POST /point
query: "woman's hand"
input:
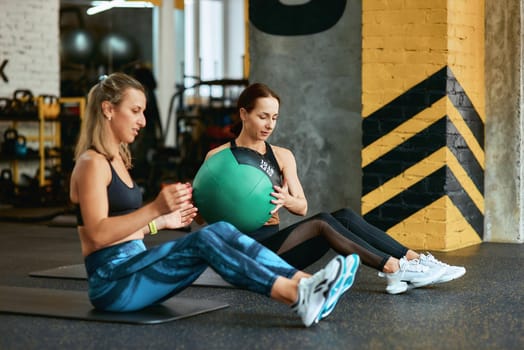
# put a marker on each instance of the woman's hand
(176, 203)
(180, 218)
(282, 196)
(174, 197)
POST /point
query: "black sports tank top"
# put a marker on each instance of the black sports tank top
(122, 198)
(272, 169)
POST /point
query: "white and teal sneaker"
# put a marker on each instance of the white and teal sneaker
(313, 292)
(351, 264)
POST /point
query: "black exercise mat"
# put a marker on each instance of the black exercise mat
(76, 305)
(74, 272)
(208, 279)
(65, 220)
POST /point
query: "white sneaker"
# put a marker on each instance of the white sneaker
(412, 274)
(351, 263)
(451, 273)
(313, 292)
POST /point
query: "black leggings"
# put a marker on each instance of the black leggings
(305, 242)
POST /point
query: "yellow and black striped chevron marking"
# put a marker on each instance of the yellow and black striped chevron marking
(414, 154)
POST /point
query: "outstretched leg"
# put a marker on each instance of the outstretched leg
(127, 277)
(369, 233)
(136, 277)
(304, 242)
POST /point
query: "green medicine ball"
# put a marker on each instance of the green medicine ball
(235, 185)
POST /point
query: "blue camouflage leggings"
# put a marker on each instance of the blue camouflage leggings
(128, 277)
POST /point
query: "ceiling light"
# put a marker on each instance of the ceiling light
(100, 6)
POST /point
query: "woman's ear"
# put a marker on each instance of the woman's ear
(243, 113)
(107, 109)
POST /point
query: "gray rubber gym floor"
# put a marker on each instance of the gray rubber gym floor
(482, 310)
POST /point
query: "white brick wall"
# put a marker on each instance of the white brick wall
(30, 41)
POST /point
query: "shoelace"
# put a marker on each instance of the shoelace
(413, 265)
(429, 257)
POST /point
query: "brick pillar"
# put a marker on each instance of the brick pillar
(30, 47)
(423, 127)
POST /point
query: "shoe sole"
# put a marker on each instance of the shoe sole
(347, 282)
(399, 288)
(438, 281)
(405, 285)
(426, 282)
(410, 286)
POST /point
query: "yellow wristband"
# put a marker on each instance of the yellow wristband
(152, 227)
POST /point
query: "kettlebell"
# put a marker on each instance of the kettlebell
(24, 103)
(21, 146)
(50, 106)
(10, 140)
(7, 186)
(6, 175)
(5, 106)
